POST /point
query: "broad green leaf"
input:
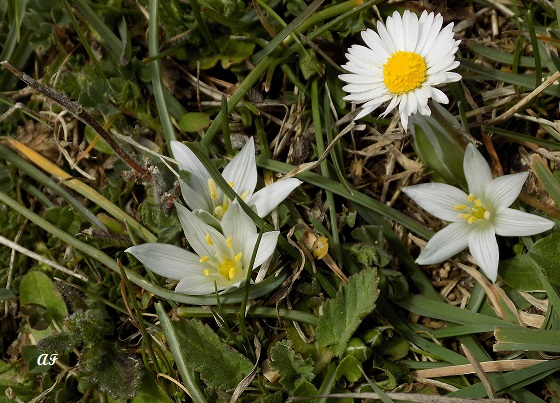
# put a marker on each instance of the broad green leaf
(523, 339)
(349, 369)
(343, 314)
(150, 391)
(194, 121)
(219, 366)
(37, 288)
(293, 368)
(523, 272)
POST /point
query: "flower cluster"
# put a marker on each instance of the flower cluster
(221, 259)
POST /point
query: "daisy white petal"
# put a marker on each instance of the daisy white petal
(401, 64)
(168, 261)
(477, 171)
(438, 199)
(484, 248)
(446, 243)
(512, 222)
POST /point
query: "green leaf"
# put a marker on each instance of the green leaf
(64, 218)
(343, 314)
(37, 288)
(523, 272)
(523, 339)
(349, 368)
(150, 391)
(219, 366)
(194, 121)
(293, 368)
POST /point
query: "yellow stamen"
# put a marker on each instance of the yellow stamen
(404, 72)
(474, 210)
(206, 272)
(204, 259)
(238, 257)
(230, 184)
(244, 195)
(213, 189)
(228, 269)
(229, 242)
(209, 240)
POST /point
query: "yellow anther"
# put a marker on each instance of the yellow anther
(231, 273)
(459, 207)
(229, 242)
(464, 216)
(478, 203)
(204, 259)
(228, 269)
(471, 219)
(244, 195)
(213, 189)
(404, 72)
(206, 272)
(209, 240)
(471, 198)
(238, 257)
(230, 184)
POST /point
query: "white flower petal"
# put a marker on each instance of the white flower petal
(204, 239)
(477, 171)
(267, 246)
(446, 243)
(168, 261)
(189, 162)
(510, 222)
(198, 285)
(266, 199)
(503, 191)
(239, 226)
(194, 199)
(438, 199)
(484, 248)
(242, 170)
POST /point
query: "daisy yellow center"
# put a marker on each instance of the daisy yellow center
(473, 210)
(404, 72)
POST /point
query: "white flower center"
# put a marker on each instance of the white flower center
(473, 210)
(404, 72)
(225, 265)
(221, 206)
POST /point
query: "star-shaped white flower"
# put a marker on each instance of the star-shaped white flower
(202, 193)
(476, 218)
(402, 63)
(219, 261)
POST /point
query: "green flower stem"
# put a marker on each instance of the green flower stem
(355, 196)
(234, 297)
(155, 67)
(316, 115)
(187, 374)
(254, 311)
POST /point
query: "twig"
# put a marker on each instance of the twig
(76, 109)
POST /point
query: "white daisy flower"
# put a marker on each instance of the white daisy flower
(202, 193)
(402, 64)
(476, 218)
(220, 261)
